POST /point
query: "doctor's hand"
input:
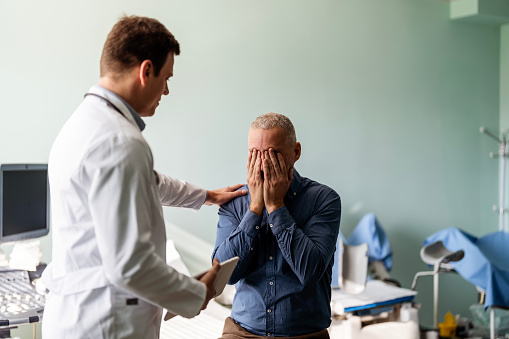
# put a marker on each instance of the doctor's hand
(223, 195)
(208, 279)
(255, 181)
(277, 180)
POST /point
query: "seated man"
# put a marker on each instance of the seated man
(284, 232)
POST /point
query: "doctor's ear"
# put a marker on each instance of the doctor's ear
(145, 69)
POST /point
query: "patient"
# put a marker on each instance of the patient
(284, 232)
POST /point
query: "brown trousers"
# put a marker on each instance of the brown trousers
(232, 330)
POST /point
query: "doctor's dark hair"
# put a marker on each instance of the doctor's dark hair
(134, 39)
(271, 120)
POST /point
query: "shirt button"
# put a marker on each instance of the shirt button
(257, 227)
(269, 310)
(294, 193)
(270, 258)
(251, 248)
(271, 225)
(271, 283)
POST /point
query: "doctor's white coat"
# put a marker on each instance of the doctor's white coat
(108, 277)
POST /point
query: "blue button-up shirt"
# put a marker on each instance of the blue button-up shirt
(283, 276)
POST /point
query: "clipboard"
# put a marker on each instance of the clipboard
(223, 275)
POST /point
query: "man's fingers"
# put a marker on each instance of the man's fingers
(270, 165)
(274, 161)
(258, 165)
(254, 158)
(282, 163)
(251, 159)
(249, 156)
(266, 169)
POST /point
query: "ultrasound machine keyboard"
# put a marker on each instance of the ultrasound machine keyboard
(19, 301)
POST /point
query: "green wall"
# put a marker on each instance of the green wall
(387, 98)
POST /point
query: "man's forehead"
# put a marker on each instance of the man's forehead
(268, 132)
(263, 139)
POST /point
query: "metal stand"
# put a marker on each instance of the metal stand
(436, 271)
(502, 155)
(437, 255)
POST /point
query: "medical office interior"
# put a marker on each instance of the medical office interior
(387, 98)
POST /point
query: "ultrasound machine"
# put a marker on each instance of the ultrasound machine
(24, 215)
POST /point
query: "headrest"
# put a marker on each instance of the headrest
(436, 252)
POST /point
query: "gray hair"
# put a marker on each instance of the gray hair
(272, 120)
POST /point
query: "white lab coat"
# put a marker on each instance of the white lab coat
(108, 277)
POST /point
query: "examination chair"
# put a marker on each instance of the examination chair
(482, 261)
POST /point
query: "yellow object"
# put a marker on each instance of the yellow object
(448, 327)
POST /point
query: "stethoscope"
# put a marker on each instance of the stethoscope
(107, 101)
(119, 111)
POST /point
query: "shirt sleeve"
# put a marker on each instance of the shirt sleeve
(178, 193)
(308, 249)
(123, 201)
(236, 238)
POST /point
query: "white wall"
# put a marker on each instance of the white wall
(386, 96)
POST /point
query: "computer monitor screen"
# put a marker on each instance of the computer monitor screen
(24, 202)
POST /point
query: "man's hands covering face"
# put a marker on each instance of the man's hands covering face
(255, 181)
(277, 180)
(270, 190)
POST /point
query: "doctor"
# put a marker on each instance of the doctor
(108, 277)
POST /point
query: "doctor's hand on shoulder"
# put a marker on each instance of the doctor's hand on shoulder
(223, 195)
(208, 279)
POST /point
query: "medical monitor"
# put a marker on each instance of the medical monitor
(24, 202)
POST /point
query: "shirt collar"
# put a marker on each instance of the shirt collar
(139, 122)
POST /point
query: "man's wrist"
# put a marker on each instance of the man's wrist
(272, 207)
(256, 209)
